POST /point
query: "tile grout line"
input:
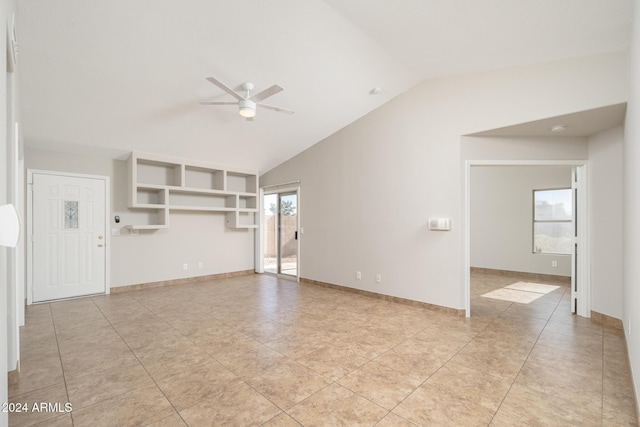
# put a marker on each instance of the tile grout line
(243, 381)
(285, 411)
(602, 382)
(527, 358)
(490, 329)
(434, 372)
(139, 361)
(44, 386)
(335, 382)
(64, 376)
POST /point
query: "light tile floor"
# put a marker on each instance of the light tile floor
(256, 350)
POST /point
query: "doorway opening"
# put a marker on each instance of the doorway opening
(280, 233)
(575, 264)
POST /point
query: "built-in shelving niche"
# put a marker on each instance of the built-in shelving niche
(158, 185)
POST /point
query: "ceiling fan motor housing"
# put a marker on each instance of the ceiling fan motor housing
(247, 108)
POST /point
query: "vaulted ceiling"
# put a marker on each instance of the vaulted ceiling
(114, 76)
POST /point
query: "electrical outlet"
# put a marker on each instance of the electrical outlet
(554, 263)
(358, 275)
(378, 278)
(185, 266)
(200, 264)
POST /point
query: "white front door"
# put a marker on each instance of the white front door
(68, 236)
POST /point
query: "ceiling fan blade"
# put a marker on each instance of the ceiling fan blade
(217, 103)
(274, 108)
(225, 88)
(266, 93)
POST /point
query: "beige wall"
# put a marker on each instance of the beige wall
(192, 237)
(371, 187)
(4, 252)
(10, 315)
(631, 226)
(502, 217)
(606, 217)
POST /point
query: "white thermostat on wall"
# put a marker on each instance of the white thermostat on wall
(439, 224)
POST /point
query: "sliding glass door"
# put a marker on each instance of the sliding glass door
(281, 233)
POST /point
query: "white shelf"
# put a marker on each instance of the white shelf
(151, 187)
(146, 227)
(150, 206)
(200, 208)
(200, 191)
(161, 184)
(243, 220)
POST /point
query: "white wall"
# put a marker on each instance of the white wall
(370, 188)
(4, 252)
(631, 225)
(192, 237)
(9, 316)
(523, 148)
(605, 214)
(604, 152)
(502, 217)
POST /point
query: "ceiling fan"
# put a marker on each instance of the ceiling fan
(248, 102)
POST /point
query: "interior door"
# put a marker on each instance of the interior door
(68, 236)
(574, 252)
(281, 233)
(580, 284)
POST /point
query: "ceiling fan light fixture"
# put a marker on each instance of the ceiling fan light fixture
(247, 108)
(247, 102)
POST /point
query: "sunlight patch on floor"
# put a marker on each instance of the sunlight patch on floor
(521, 292)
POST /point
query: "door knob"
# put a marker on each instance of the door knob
(100, 237)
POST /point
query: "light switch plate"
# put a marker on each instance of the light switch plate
(440, 224)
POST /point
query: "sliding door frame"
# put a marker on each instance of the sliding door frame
(259, 252)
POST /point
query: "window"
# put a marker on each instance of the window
(552, 221)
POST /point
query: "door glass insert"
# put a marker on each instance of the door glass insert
(270, 233)
(289, 234)
(70, 215)
(280, 233)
